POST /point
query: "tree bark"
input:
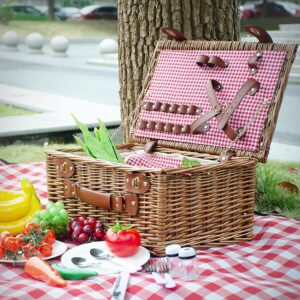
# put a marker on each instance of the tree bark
(140, 22)
(51, 9)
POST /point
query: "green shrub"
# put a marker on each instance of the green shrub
(6, 13)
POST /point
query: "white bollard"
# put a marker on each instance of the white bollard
(108, 46)
(59, 45)
(10, 40)
(35, 42)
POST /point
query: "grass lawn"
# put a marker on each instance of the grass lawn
(70, 29)
(9, 110)
(270, 198)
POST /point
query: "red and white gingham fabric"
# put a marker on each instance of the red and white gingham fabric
(268, 267)
(177, 79)
(153, 161)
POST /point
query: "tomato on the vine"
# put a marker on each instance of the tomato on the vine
(50, 237)
(20, 238)
(31, 228)
(122, 240)
(11, 243)
(3, 236)
(29, 250)
(46, 249)
(2, 252)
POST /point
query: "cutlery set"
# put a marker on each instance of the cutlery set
(158, 267)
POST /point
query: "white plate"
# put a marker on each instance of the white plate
(58, 249)
(117, 264)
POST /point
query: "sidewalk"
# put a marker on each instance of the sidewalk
(55, 112)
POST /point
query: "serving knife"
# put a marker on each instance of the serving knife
(120, 286)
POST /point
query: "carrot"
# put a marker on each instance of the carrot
(41, 270)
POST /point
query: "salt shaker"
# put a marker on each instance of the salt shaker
(188, 269)
(172, 252)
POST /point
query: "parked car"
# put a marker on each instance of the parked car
(60, 12)
(297, 13)
(27, 12)
(289, 6)
(273, 9)
(249, 11)
(94, 12)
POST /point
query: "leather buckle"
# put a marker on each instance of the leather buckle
(119, 202)
(217, 108)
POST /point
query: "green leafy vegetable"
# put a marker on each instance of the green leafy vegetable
(99, 145)
(186, 162)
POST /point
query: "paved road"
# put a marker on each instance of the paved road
(72, 77)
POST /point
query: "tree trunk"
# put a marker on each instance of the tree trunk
(140, 22)
(51, 9)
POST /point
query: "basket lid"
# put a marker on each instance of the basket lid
(214, 97)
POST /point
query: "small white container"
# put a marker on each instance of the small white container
(172, 252)
(188, 268)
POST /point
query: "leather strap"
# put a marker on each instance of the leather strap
(151, 145)
(217, 61)
(173, 33)
(259, 33)
(200, 125)
(252, 62)
(250, 87)
(127, 202)
(202, 60)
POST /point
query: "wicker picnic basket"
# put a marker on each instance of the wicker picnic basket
(205, 205)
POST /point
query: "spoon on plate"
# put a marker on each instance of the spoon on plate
(83, 263)
(100, 254)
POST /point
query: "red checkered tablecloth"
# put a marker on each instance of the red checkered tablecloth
(266, 268)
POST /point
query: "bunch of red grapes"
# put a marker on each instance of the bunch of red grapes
(83, 230)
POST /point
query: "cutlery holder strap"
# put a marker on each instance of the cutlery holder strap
(250, 87)
(119, 202)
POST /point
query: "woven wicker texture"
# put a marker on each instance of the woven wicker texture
(202, 206)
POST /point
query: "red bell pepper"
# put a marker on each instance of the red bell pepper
(41, 270)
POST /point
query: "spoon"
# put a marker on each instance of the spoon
(82, 262)
(99, 254)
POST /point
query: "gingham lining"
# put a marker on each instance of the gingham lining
(153, 161)
(177, 79)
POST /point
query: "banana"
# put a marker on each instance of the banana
(14, 208)
(8, 195)
(17, 226)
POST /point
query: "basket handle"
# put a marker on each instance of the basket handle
(259, 33)
(118, 202)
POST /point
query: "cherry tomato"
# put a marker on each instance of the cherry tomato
(31, 228)
(46, 249)
(50, 237)
(3, 236)
(122, 240)
(11, 243)
(20, 238)
(2, 252)
(29, 250)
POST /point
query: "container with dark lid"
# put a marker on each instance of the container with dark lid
(188, 269)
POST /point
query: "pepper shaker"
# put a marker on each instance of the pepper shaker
(188, 269)
(172, 252)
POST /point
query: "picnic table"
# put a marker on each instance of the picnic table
(268, 267)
